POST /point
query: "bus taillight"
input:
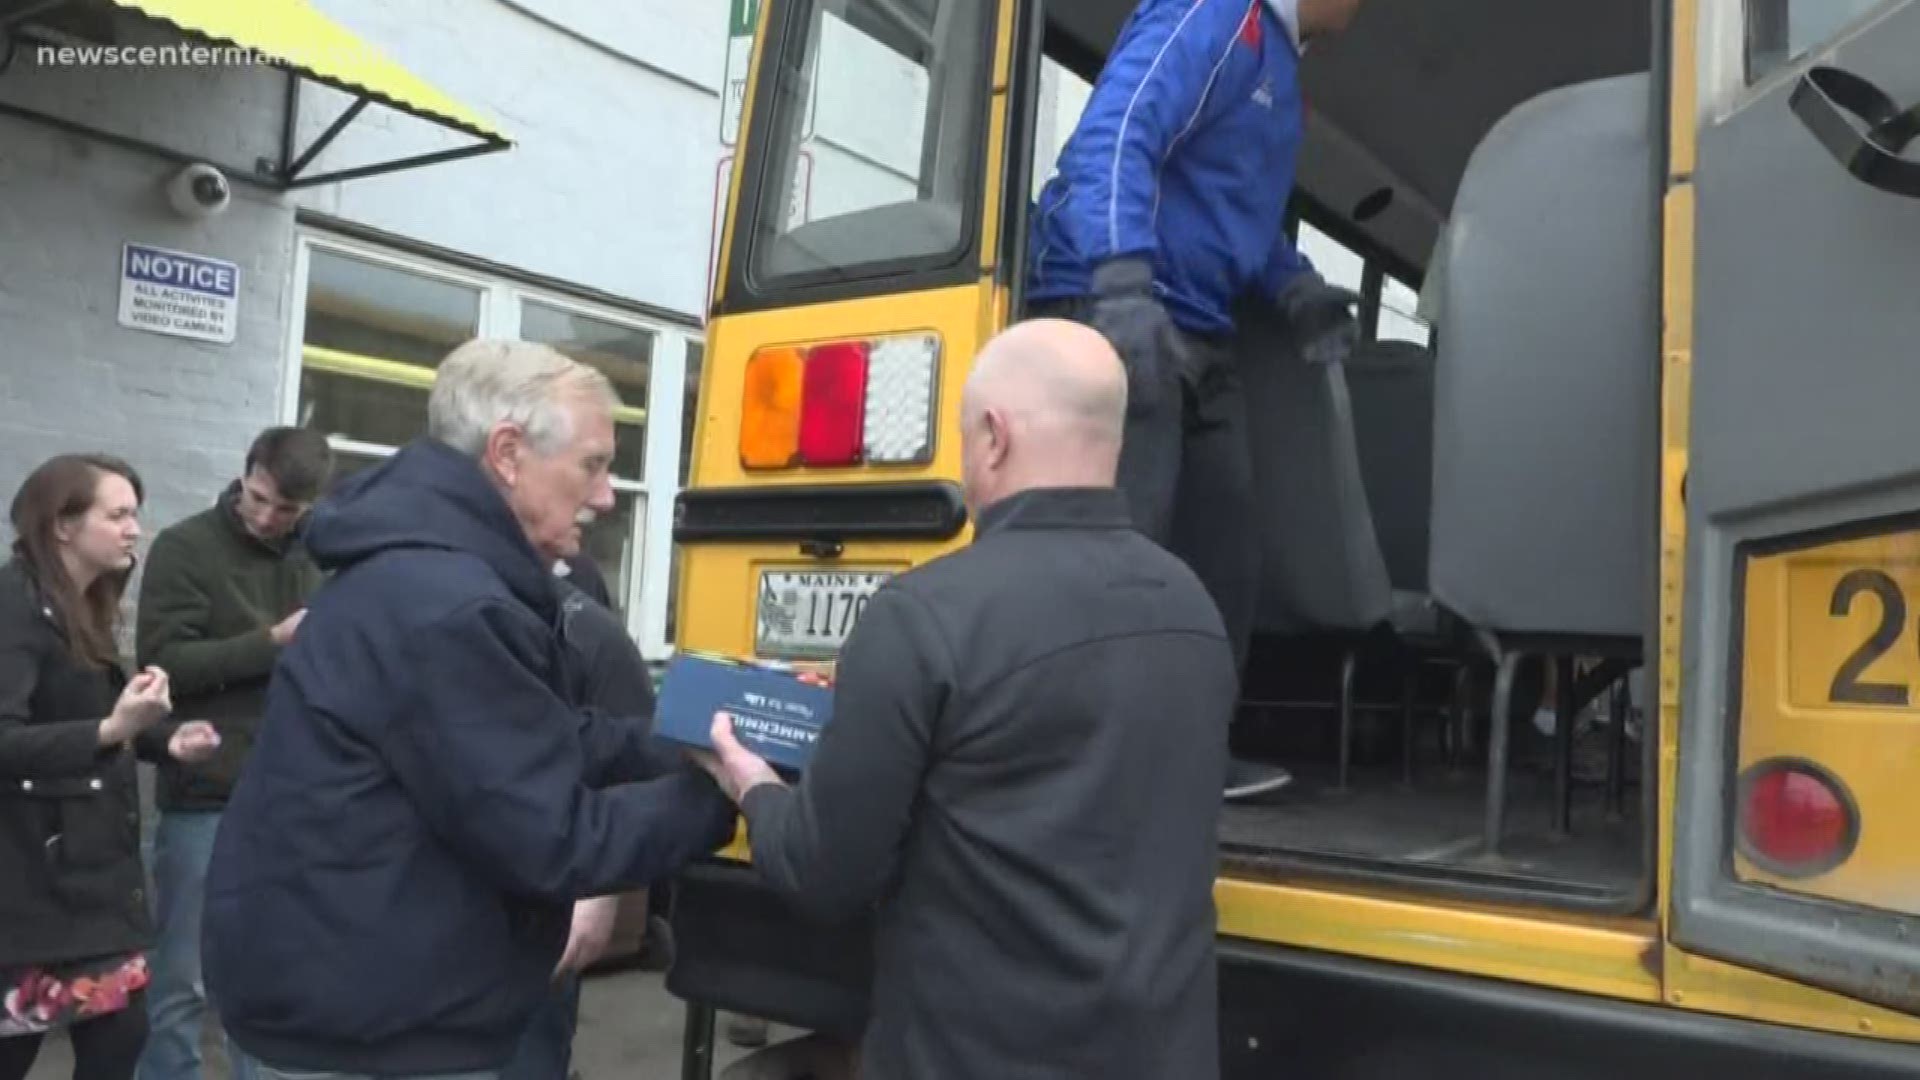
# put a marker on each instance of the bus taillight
(770, 409)
(833, 402)
(1796, 819)
(840, 404)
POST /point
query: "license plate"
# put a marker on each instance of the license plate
(807, 614)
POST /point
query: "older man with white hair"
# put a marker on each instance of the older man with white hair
(391, 887)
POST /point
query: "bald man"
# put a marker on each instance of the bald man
(1022, 776)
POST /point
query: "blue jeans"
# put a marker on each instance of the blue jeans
(546, 1048)
(176, 996)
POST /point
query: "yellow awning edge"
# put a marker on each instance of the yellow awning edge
(294, 34)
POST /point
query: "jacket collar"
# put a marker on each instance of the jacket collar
(1288, 12)
(1057, 508)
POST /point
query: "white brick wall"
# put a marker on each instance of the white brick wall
(610, 187)
(70, 377)
(611, 184)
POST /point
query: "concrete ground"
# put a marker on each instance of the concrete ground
(630, 1029)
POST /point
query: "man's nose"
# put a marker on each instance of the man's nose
(602, 500)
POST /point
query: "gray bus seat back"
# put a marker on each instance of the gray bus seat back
(1546, 392)
(1391, 387)
(1321, 568)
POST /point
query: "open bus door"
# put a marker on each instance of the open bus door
(1799, 758)
(1398, 954)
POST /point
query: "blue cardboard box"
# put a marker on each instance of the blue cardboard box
(775, 714)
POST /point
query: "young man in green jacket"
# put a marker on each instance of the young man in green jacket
(223, 592)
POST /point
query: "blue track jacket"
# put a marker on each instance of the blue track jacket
(1185, 155)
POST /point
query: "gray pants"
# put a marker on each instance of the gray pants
(1186, 466)
(268, 1072)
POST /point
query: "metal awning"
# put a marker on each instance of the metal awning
(294, 37)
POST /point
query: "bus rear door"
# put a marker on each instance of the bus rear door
(1796, 880)
(864, 260)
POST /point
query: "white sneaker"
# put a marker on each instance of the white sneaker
(1246, 779)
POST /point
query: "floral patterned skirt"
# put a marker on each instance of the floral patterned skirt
(48, 996)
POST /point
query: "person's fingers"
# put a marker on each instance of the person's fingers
(725, 741)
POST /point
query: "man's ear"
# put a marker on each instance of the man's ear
(999, 437)
(503, 453)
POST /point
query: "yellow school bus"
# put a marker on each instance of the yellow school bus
(1587, 614)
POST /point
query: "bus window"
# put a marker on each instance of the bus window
(1063, 97)
(1339, 264)
(873, 127)
(1780, 32)
(1399, 314)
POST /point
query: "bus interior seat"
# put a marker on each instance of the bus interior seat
(1546, 395)
(1322, 568)
(1390, 384)
(1323, 490)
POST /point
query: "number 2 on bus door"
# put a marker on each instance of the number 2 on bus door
(1847, 685)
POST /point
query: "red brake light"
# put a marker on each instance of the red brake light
(1796, 819)
(834, 401)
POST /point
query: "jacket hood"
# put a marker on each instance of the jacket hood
(430, 496)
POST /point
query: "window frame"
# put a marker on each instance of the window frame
(650, 545)
(743, 292)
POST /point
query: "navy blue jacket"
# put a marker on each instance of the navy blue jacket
(1184, 156)
(391, 886)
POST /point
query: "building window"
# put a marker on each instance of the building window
(376, 323)
(373, 334)
(624, 354)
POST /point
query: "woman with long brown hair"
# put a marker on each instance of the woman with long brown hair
(73, 909)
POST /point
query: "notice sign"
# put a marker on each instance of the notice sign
(171, 292)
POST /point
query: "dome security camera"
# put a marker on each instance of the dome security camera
(199, 191)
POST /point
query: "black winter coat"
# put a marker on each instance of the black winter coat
(71, 882)
(1023, 775)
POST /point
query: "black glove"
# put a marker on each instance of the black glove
(1123, 292)
(1125, 311)
(1321, 318)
